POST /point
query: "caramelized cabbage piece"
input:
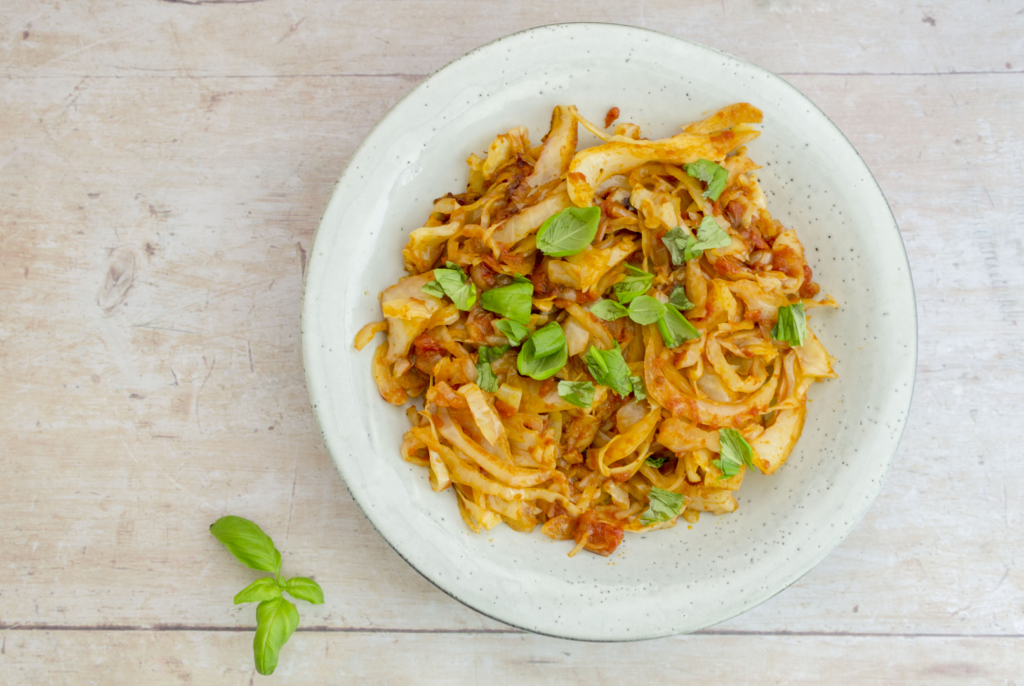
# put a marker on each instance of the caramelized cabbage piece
(525, 456)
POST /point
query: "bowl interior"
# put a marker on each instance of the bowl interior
(669, 581)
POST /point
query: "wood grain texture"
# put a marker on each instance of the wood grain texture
(162, 168)
(377, 37)
(131, 658)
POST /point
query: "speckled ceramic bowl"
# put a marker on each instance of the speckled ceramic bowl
(666, 582)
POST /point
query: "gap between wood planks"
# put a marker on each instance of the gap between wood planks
(468, 632)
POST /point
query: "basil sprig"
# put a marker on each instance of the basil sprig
(675, 329)
(513, 301)
(735, 452)
(543, 353)
(514, 331)
(635, 284)
(276, 618)
(714, 175)
(609, 369)
(578, 393)
(485, 377)
(663, 506)
(454, 283)
(791, 326)
(569, 231)
(682, 246)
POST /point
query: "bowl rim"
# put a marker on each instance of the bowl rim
(308, 348)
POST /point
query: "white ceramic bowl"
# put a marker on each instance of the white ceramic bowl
(666, 582)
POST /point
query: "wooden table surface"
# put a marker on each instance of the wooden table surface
(163, 165)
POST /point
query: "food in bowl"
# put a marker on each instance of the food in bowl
(605, 339)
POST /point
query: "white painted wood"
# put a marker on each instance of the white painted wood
(201, 38)
(129, 424)
(122, 658)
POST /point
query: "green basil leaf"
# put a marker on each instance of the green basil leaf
(489, 354)
(639, 387)
(513, 301)
(433, 288)
(579, 393)
(792, 324)
(514, 331)
(710, 235)
(675, 240)
(266, 588)
(541, 366)
(663, 506)
(682, 246)
(247, 542)
(569, 231)
(485, 377)
(690, 250)
(304, 588)
(735, 452)
(714, 175)
(646, 310)
(675, 329)
(656, 462)
(276, 621)
(609, 369)
(679, 299)
(547, 339)
(608, 310)
(456, 285)
(635, 284)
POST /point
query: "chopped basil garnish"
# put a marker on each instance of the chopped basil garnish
(578, 393)
(514, 331)
(679, 299)
(675, 329)
(792, 324)
(714, 175)
(513, 301)
(646, 310)
(609, 369)
(543, 353)
(485, 377)
(643, 310)
(636, 284)
(664, 505)
(608, 310)
(547, 340)
(569, 231)
(710, 235)
(639, 387)
(454, 283)
(656, 462)
(675, 240)
(682, 246)
(433, 288)
(735, 452)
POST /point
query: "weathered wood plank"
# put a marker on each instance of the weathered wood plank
(131, 657)
(152, 237)
(197, 38)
